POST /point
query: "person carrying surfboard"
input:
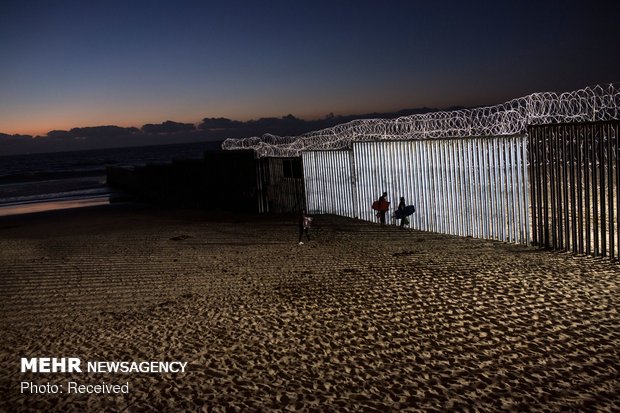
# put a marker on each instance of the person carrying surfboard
(401, 212)
(381, 206)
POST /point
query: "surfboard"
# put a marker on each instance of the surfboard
(381, 205)
(405, 212)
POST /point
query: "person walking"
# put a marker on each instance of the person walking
(384, 205)
(401, 213)
(304, 226)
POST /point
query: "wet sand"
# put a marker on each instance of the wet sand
(361, 318)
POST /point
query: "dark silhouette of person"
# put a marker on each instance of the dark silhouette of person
(304, 225)
(401, 208)
(384, 205)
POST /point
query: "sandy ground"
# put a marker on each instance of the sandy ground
(361, 318)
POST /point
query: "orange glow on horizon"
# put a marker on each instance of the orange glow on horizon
(72, 118)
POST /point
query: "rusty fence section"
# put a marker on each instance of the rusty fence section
(575, 171)
(280, 184)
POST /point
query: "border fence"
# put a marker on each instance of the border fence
(575, 171)
(475, 187)
(543, 169)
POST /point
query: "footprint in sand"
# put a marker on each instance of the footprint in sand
(180, 237)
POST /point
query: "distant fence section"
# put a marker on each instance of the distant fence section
(280, 185)
(224, 180)
(330, 182)
(575, 171)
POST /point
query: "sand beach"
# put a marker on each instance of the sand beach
(361, 318)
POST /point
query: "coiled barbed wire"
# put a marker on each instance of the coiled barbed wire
(595, 103)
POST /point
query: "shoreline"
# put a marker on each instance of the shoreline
(21, 208)
(37, 196)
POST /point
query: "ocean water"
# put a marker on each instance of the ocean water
(40, 182)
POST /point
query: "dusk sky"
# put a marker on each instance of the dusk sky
(68, 64)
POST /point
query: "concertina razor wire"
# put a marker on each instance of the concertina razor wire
(590, 104)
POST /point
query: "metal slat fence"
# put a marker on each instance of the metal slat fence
(479, 186)
(575, 171)
(475, 187)
(330, 185)
(469, 187)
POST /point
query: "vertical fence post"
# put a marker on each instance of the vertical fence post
(545, 177)
(587, 185)
(616, 132)
(573, 154)
(595, 215)
(532, 152)
(515, 190)
(563, 222)
(552, 186)
(525, 181)
(579, 172)
(569, 209)
(610, 190)
(602, 165)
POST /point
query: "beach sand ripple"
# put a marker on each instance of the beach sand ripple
(361, 318)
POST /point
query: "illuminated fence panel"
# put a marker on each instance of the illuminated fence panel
(475, 187)
(329, 182)
(575, 171)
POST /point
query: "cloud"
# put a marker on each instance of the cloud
(93, 137)
(60, 135)
(91, 132)
(214, 124)
(102, 131)
(168, 127)
(168, 132)
(4, 137)
(286, 125)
